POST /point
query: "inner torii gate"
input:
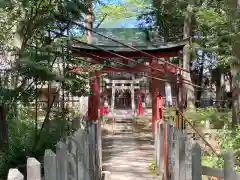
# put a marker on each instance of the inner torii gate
(106, 50)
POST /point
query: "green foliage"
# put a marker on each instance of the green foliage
(216, 117)
(37, 70)
(213, 115)
(120, 11)
(34, 30)
(212, 161)
(74, 82)
(152, 168)
(166, 16)
(227, 140)
(22, 134)
(217, 26)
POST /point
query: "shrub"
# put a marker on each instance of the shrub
(22, 139)
(217, 118)
(227, 140)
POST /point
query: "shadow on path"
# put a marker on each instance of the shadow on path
(127, 156)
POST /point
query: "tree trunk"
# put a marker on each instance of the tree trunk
(235, 71)
(187, 32)
(235, 95)
(89, 21)
(3, 128)
(220, 90)
(200, 81)
(188, 89)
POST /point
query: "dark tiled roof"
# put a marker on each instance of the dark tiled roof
(138, 37)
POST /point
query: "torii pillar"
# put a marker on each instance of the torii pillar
(155, 93)
(94, 99)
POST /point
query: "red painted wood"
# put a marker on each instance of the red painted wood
(94, 100)
(160, 105)
(139, 106)
(155, 107)
(139, 68)
(130, 54)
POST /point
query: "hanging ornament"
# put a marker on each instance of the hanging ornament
(77, 69)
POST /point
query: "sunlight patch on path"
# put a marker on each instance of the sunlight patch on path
(128, 159)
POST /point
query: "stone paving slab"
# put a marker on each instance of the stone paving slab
(128, 157)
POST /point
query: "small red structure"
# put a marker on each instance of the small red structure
(104, 107)
(116, 51)
(139, 106)
(103, 111)
(139, 102)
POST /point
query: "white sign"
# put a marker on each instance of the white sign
(168, 92)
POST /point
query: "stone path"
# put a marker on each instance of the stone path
(127, 156)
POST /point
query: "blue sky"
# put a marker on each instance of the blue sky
(127, 23)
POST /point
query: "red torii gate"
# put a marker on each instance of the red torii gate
(99, 55)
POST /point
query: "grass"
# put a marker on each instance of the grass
(152, 168)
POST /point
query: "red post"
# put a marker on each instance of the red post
(155, 107)
(94, 99)
(160, 105)
(139, 106)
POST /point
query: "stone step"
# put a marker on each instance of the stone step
(121, 123)
(123, 120)
(122, 132)
(123, 129)
(124, 124)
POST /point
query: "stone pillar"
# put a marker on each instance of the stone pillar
(113, 97)
(180, 101)
(94, 99)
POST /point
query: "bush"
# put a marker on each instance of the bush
(227, 140)
(217, 118)
(22, 139)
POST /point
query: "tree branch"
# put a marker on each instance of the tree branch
(101, 21)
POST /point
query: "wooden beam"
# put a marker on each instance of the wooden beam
(124, 67)
(129, 54)
(139, 68)
(123, 87)
(124, 81)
